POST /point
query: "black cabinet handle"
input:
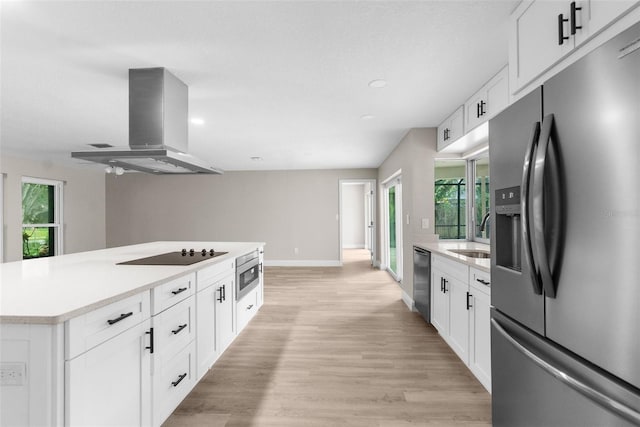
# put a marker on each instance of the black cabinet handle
(442, 284)
(561, 37)
(224, 292)
(150, 333)
(445, 285)
(250, 307)
(180, 378)
(220, 297)
(482, 105)
(121, 317)
(484, 282)
(180, 328)
(468, 304)
(477, 109)
(574, 27)
(178, 291)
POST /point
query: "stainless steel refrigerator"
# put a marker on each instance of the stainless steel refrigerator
(565, 176)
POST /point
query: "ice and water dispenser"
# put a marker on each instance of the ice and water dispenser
(508, 228)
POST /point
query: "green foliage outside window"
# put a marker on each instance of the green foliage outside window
(37, 209)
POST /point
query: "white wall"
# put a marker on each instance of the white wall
(415, 156)
(84, 204)
(285, 209)
(353, 225)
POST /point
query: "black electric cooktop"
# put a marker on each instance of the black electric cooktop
(183, 257)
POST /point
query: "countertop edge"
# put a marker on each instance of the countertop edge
(443, 248)
(63, 317)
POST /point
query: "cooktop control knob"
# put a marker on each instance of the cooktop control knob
(191, 252)
(204, 252)
(184, 252)
(212, 252)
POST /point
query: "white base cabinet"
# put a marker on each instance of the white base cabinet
(460, 313)
(109, 385)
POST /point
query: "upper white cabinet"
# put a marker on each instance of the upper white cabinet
(544, 32)
(492, 98)
(451, 128)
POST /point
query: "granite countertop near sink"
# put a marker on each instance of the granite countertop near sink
(443, 247)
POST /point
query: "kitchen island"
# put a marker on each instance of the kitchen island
(87, 341)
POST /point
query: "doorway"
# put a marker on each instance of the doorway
(392, 210)
(357, 216)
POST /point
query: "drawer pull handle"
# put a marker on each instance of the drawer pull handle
(180, 378)
(150, 333)
(180, 328)
(250, 307)
(484, 282)
(122, 317)
(179, 291)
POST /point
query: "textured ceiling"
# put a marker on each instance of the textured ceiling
(285, 81)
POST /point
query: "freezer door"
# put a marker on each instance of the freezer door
(535, 383)
(510, 136)
(595, 312)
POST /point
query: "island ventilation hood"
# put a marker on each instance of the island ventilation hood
(158, 128)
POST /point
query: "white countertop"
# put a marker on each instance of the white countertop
(443, 247)
(54, 289)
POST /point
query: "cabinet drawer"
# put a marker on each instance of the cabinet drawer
(174, 328)
(88, 330)
(480, 280)
(172, 382)
(450, 267)
(170, 293)
(210, 275)
(246, 308)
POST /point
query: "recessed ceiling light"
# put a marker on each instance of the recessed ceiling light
(378, 83)
(367, 117)
(256, 158)
(197, 121)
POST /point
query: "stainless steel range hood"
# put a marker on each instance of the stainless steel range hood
(158, 128)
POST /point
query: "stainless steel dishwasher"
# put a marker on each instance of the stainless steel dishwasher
(422, 282)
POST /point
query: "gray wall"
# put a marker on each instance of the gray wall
(353, 215)
(84, 204)
(415, 156)
(285, 209)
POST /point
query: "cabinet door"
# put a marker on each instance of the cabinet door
(225, 328)
(595, 15)
(480, 337)
(206, 329)
(472, 109)
(497, 97)
(458, 318)
(439, 304)
(457, 125)
(535, 24)
(111, 384)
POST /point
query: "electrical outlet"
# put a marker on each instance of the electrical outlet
(295, 251)
(12, 373)
(425, 223)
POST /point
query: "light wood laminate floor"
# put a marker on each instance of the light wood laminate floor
(336, 347)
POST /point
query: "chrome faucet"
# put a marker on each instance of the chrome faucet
(485, 218)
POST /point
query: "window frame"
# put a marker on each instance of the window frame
(58, 209)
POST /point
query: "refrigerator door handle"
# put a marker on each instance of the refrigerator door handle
(590, 393)
(539, 225)
(524, 214)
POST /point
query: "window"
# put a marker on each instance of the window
(454, 179)
(482, 223)
(41, 218)
(451, 199)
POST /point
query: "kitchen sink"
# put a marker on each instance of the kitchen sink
(471, 253)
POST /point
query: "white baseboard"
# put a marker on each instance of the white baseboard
(302, 263)
(408, 301)
(353, 246)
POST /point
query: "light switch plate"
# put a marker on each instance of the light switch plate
(425, 223)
